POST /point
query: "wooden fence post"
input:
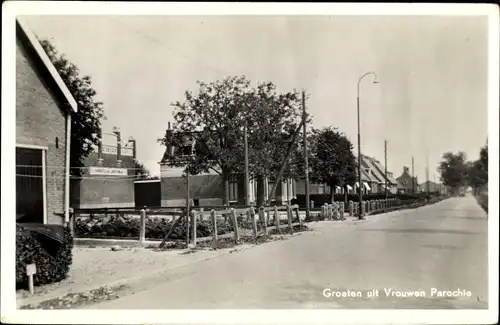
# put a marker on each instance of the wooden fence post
(72, 221)
(202, 218)
(330, 211)
(251, 211)
(215, 236)
(277, 219)
(351, 208)
(311, 205)
(342, 207)
(263, 219)
(289, 215)
(298, 215)
(142, 227)
(235, 225)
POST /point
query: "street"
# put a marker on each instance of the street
(442, 247)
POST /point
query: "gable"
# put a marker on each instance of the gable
(37, 56)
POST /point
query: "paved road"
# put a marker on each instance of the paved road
(443, 246)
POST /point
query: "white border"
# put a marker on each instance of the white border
(8, 305)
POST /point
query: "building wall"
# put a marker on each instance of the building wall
(206, 189)
(41, 122)
(100, 191)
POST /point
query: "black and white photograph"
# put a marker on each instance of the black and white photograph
(245, 163)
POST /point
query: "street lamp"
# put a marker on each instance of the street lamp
(360, 216)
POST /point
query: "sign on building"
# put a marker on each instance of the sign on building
(108, 171)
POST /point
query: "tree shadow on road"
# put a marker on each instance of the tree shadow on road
(464, 218)
(426, 231)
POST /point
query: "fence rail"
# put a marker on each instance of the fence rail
(240, 220)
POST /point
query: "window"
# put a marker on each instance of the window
(233, 189)
(185, 150)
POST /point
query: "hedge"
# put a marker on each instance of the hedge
(482, 199)
(156, 228)
(52, 259)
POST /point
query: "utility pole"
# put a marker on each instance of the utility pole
(427, 177)
(413, 175)
(306, 161)
(188, 215)
(247, 183)
(385, 158)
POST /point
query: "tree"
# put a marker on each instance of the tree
(332, 160)
(142, 173)
(215, 118)
(86, 123)
(273, 119)
(454, 170)
(478, 170)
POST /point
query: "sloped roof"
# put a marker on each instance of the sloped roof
(375, 174)
(25, 33)
(379, 170)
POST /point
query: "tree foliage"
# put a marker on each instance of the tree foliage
(332, 160)
(215, 118)
(273, 119)
(454, 170)
(85, 123)
(142, 173)
(478, 170)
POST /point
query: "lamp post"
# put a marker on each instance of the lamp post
(360, 216)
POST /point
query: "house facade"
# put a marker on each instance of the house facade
(406, 183)
(432, 187)
(207, 189)
(44, 107)
(372, 178)
(107, 179)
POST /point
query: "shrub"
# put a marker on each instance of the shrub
(156, 228)
(52, 258)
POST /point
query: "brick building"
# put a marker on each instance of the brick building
(208, 189)
(107, 181)
(44, 107)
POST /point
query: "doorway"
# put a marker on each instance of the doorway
(30, 183)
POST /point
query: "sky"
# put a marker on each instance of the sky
(432, 72)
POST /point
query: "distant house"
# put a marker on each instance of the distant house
(375, 171)
(372, 177)
(107, 179)
(432, 187)
(406, 183)
(207, 189)
(44, 107)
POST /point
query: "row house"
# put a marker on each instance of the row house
(372, 179)
(375, 175)
(207, 189)
(107, 179)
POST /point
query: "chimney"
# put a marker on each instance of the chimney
(118, 146)
(406, 170)
(99, 149)
(134, 149)
(169, 137)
